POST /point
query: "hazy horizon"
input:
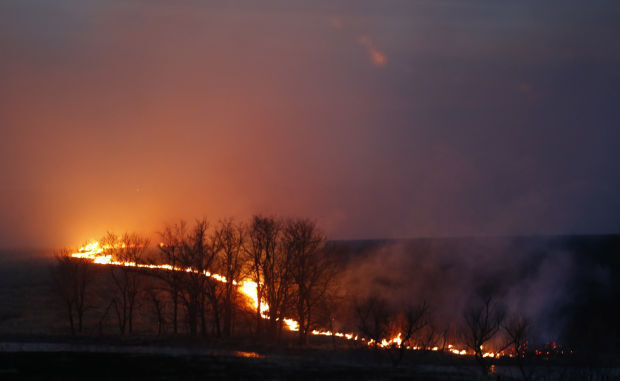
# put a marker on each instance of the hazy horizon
(377, 241)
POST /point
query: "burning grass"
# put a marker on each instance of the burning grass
(99, 254)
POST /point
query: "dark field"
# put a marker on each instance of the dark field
(80, 366)
(105, 363)
(35, 341)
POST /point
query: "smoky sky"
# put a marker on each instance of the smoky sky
(375, 118)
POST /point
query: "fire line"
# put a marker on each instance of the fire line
(96, 253)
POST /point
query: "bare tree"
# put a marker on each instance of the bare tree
(270, 268)
(482, 321)
(228, 241)
(158, 305)
(197, 257)
(327, 310)
(214, 292)
(408, 324)
(71, 281)
(429, 337)
(517, 330)
(278, 282)
(129, 250)
(171, 246)
(373, 315)
(312, 270)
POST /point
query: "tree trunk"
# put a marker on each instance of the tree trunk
(216, 322)
(130, 317)
(70, 314)
(175, 304)
(203, 317)
(80, 313)
(302, 324)
(259, 296)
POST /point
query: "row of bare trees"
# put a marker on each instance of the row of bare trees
(71, 281)
(74, 281)
(483, 322)
(288, 260)
(294, 271)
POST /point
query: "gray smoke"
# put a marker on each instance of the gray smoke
(528, 277)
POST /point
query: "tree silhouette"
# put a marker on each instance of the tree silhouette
(269, 267)
(127, 280)
(71, 282)
(408, 323)
(482, 321)
(373, 313)
(311, 267)
(171, 246)
(196, 256)
(228, 241)
(517, 330)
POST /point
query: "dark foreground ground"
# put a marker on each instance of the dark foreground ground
(106, 366)
(86, 359)
(99, 360)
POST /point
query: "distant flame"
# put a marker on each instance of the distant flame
(97, 253)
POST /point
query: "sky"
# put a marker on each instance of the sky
(377, 119)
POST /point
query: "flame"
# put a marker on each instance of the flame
(97, 253)
(249, 288)
(291, 324)
(397, 340)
